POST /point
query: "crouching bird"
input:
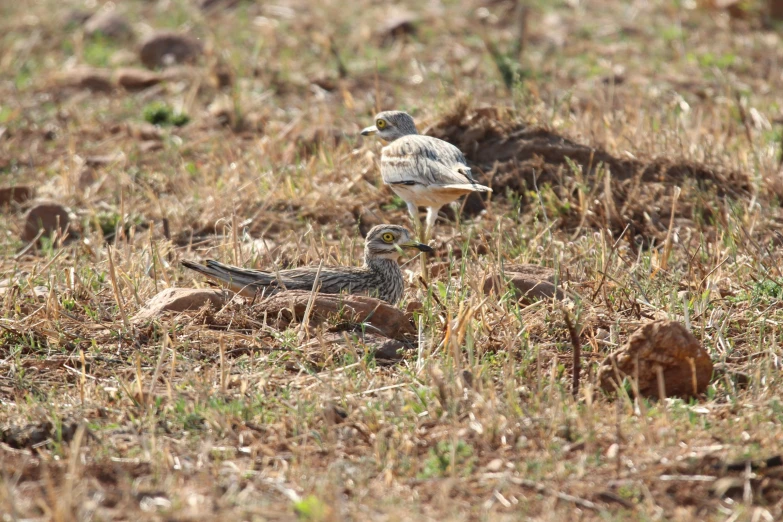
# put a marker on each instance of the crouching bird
(380, 276)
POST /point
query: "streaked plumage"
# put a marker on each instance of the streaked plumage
(422, 170)
(380, 276)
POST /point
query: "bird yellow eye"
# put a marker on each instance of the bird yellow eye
(388, 237)
(381, 124)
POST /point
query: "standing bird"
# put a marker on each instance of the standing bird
(380, 276)
(422, 170)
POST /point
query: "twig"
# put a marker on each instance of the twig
(313, 292)
(222, 364)
(540, 488)
(342, 70)
(157, 366)
(29, 245)
(577, 364)
(427, 287)
(667, 244)
(611, 253)
(116, 288)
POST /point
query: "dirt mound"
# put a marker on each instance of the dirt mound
(513, 157)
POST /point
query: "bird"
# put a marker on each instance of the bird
(380, 276)
(422, 170)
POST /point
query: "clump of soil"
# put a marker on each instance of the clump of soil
(514, 158)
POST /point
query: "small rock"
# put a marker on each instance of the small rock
(531, 281)
(313, 139)
(41, 292)
(495, 465)
(222, 76)
(96, 80)
(32, 435)
(18, 194)
(333, 414)
(104, 160)
(150, 146)
(390, 351)
(87, 176)
(214, 5)
(50, 217)
(145, 131)
(168, 48)
(222, 109)
(413, 307)
(397, 27)
(108, 23)
(728, 486)
(378, 317)
(135, 79)
(76, 17)
(180, 300)
(660, 346)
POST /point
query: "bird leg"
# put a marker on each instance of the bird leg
(420, 234)
(414, 212)
(432, 217)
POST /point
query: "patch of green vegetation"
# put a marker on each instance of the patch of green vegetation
(760, 291)
(709, 60)
(109, 221)
(396, 203)
(444, 459)
(159, 113)
(312, 508)
(98, 51)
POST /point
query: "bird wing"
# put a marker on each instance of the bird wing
(240, 280)
(425, 160)
(331, 280)
(247, 281)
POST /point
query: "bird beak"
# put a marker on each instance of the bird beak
(419, 246)
(369, 131)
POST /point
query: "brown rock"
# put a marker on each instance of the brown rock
(531, 281)
(390, 351)
(214, 5)
(96, 80)
(50, 217)
(168, 48)
(664, 347)
(150, 146)
(180, 300)
(135, 79)
(313, 139)
(103, 160)
(775, 9)
(87, 176)
(76, 17)
(378, 316)
(145, 131)
(18, 194)
(398, 26)
(33, 435)
(108, 23)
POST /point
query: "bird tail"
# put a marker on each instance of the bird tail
(471, 187)
(239, 280)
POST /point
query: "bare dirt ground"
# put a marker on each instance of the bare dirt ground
(633, 148)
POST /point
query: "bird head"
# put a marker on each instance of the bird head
(390, 125)
(387, 242)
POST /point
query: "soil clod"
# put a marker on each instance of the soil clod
(51, 217)
(169, 48)
(663, 357)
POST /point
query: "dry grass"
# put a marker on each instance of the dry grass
(611, 108)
